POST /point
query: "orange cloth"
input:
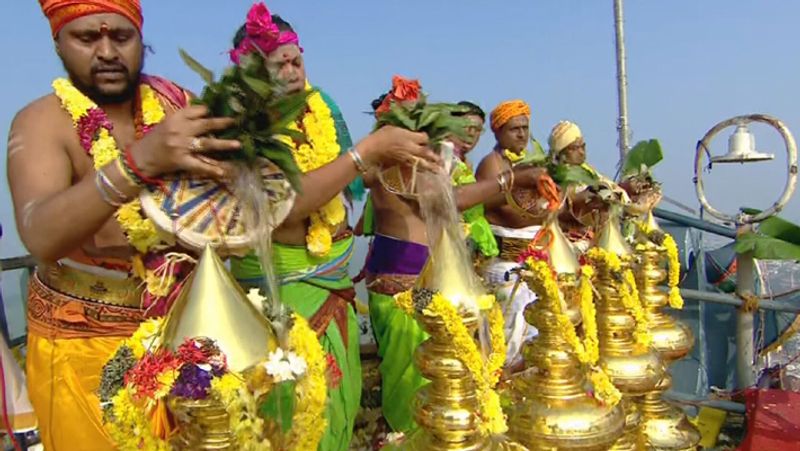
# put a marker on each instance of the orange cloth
(61, 12)
(508, 110)
(69, 341)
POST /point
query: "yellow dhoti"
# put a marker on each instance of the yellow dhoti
(69, 340)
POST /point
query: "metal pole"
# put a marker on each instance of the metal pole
(745, 285)
(622, 83)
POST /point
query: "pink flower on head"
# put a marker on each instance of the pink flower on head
(262, 34)
(259, 23)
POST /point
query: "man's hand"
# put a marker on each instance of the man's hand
(178, 144)
(394, 145)
(528, 176)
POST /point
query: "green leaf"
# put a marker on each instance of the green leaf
(287, 110)
(259, 86)
(402, 118)
(198, 68)
(536, 155)
(644, 153)
(777, 227)
(279, 405)
(766, 247)
(567, 174)
(248, 147)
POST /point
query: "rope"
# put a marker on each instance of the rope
(750, 302)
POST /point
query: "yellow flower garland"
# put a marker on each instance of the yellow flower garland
(321, 148)
(673, 264)
(247, 426)
(589, 314)
(515, 157)
(140, 231)
(308, 422)
(131, 430)
(629, 294)
(588, 351)
(485, 374)
(675, 298)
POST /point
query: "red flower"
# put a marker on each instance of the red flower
(334, 372)
(405, 90)
(536, 254)
(144, 376)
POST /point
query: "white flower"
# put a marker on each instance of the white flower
(255, 298)
(278, 367)
(297, 364)
(395, 437)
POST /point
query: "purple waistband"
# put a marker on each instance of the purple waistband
(393, 256)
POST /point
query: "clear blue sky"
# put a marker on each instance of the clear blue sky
(691, 64)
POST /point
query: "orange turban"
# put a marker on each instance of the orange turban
(508, 110)
(61, 12)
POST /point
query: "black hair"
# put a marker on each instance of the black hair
(241, 33)
(377, 102)
(473, 109)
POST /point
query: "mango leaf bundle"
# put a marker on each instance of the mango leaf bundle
(247, 93)
(437, 120)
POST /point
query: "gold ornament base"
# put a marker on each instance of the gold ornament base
(203, 425)
(447, 409)
(632, 438)
(552, 409)
(665, 426)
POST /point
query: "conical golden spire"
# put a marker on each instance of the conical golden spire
(652, 224)
(212, 305)
(562, 254)
(610, 238)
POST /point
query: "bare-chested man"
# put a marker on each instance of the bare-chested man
(77, 160)
(397, 254)
(74, 157)
(510, 122)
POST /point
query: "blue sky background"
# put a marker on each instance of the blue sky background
(691, 64)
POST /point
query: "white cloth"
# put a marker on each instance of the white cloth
(18, 406)
(517, 330)
(523, 233)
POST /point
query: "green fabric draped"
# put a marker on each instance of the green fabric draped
(398, 336)
(480, 232)
(306, 297)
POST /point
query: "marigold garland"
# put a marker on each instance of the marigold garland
(628, 292)
(675, 298)
(132, 418)
(485, 372)
(544, 283)
(246, 425)
(321, 148)
(308, 422)
(515, 157)
(673, 264)
(140, 231)
(591, 342)
(131, 430)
